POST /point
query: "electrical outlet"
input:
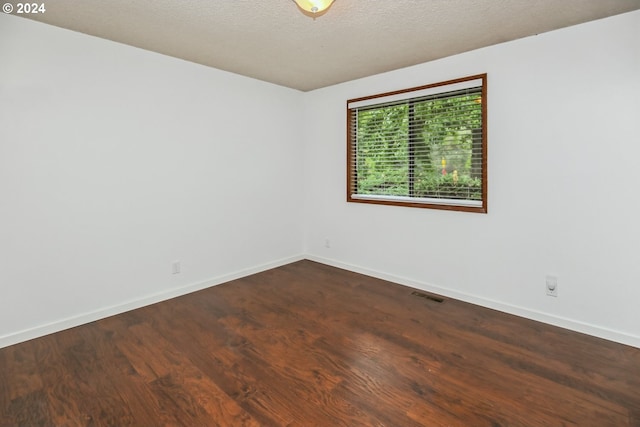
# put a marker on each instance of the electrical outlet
(552, 286)
(175, 267)
(327, 243)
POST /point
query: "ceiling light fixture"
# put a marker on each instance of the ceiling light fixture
(314, 7)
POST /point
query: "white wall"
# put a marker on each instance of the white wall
(564, 147)
(115, 161)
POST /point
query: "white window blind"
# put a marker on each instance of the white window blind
(420, 147)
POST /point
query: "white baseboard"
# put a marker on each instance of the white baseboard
(81, 319)
(73, 321)
(562, 322)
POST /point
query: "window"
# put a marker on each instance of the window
(420, 147)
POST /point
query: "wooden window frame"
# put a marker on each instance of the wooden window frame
(351, 165)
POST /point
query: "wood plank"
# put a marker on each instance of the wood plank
(175, 378)
(61, 400)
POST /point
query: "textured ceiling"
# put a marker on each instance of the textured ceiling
(273, 41)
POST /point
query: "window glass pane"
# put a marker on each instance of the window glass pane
(445, 132)
(382, 151)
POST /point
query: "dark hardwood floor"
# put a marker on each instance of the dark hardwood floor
(311, 345)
